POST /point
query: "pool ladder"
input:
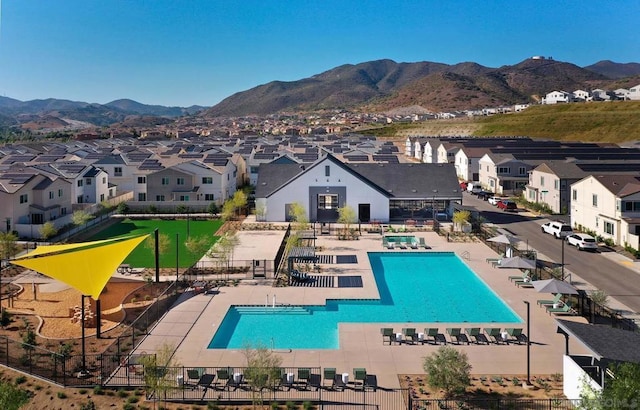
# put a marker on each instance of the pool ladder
(466, 255)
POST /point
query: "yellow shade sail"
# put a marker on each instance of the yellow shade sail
(45, 249)
(86, 268)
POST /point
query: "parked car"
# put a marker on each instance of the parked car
(507, 205)
(484, 195)
(474, 187)
(582, 241)
(494, 200)
(558, 229)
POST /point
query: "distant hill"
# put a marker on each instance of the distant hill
(385, 85)
(613, 70)
(51, 113)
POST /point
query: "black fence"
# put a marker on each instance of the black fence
(90, 369)
(471, 404)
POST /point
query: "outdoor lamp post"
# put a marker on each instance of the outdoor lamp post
(562, 258)
(526, 302)
(177, 259)
(433, 208)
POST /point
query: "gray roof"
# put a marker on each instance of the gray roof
(563, 169)
(605, 342)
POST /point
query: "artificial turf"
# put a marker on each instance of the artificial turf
(143, 256)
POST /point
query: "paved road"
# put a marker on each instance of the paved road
(614, 278)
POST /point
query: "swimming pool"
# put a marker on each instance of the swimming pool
(414, 287)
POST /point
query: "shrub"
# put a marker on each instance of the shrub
(61, 395)
(21, 379)
(448, 369)
(123, 393)
(133, 399)
(98, 390)
(90, 405)
(128, 406)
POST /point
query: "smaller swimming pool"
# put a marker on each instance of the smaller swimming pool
(414, 287)
(400, 238)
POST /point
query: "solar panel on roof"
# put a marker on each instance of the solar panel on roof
(72, 167)
(20, 179)
(261, 155)
(359, 158)
(220, 162)
(191, 155)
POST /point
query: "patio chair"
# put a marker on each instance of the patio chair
(329, 375)
(525, 283)
(546, 302)
(193, 377)
(423, 244)
(388, 335)
(457, 335)
(516, 335)
(391, 245)
(477, 335)
(494, 333)
(223, 376)
(206, 382)
(402, 244)
(284, 381)
(414, 244)
(338, 382)
(409, 335)
(359, 377)
(518, 277)
(435, 335)
(371, 381)
(235, 380)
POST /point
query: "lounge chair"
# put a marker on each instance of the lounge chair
(413, 244)
(223, 375)
(193, 377)
(402, 244)
(235, 380)
(359, 377)
(329, 375)
(564, 309)
(338, 382)
(206, 382)
(409, 335)
(477, 335)
(304, 375)
(388, 335)
(547, 302)
(391, 245)
(525, 283)
(371, 381)
(435, 335)
(518, 277)
(423, 244)
(516, 335)
(457, 335)
(494, 333)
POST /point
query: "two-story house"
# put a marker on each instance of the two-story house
(549, 183)
(609, 205)
(556, 97)
(466, 160)
(503, 174)
(634, 93)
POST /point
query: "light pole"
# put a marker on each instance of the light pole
(562, 258)
(433, 208)
(177, 259)
(526, 302)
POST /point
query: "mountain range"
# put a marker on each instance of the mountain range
(384, 85)
(374, 86)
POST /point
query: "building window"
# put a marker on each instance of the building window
(594, 200)
(327, 171)
(142, 196)
(504, 170)
(180, 181)
(184, 198)
(328, 201)
(574, 195)
(522, 170)
(160, 198)
(492, 183)
(208, 197)
(80, 183)
(101, 197)
(142, 180)
(59, 193)
(50, 194)
(24, 198)
(87, 181)
(165, 180)
(207, 180)
(541, 181)
(117, 171)
(556, 184)
(63, 211)
(532, 195)
(608, 227)
(104, 180)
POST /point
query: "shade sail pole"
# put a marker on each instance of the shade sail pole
(84, 356)
(157, 255)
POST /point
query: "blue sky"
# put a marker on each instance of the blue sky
(173, 52)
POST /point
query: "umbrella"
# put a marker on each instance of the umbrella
(504, 238)
(554, 286)
(517, 263)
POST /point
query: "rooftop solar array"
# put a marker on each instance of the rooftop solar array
(307, 157)
(16, 178)
(357, 158)
(219, 162)
(264, 155)
(20, 158)
(191, 155)
(73, 168)
(391, 159)
(138, 156)
(151, 164)
(48, 158)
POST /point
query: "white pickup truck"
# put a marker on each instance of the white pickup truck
(557, 228)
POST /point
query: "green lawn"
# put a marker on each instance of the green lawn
(143, 257)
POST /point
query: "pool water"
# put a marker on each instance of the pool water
(414, 288)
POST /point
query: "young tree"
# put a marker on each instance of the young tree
(228, 210)
(157, 377)
(623, 390)
(239, 201)
(163, 243)
(298, 215)
(48, 230)
(263, 370)
(80, 217)
(122, 208)
(213, 208)
(346, 216)
(461, 217)
(448, 369)
(261, 211)
(197, 246)
(8, 244)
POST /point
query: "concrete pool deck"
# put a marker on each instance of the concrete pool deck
(191, 324)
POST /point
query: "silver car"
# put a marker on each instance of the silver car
(582, 241)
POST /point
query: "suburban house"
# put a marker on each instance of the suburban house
(549, 183)
(446, 152)
(503, 174)
(381, 192)
(466, 160)
(556, 97)
(582, 95)
(634, 93)
(608, 205)
(31, 199)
